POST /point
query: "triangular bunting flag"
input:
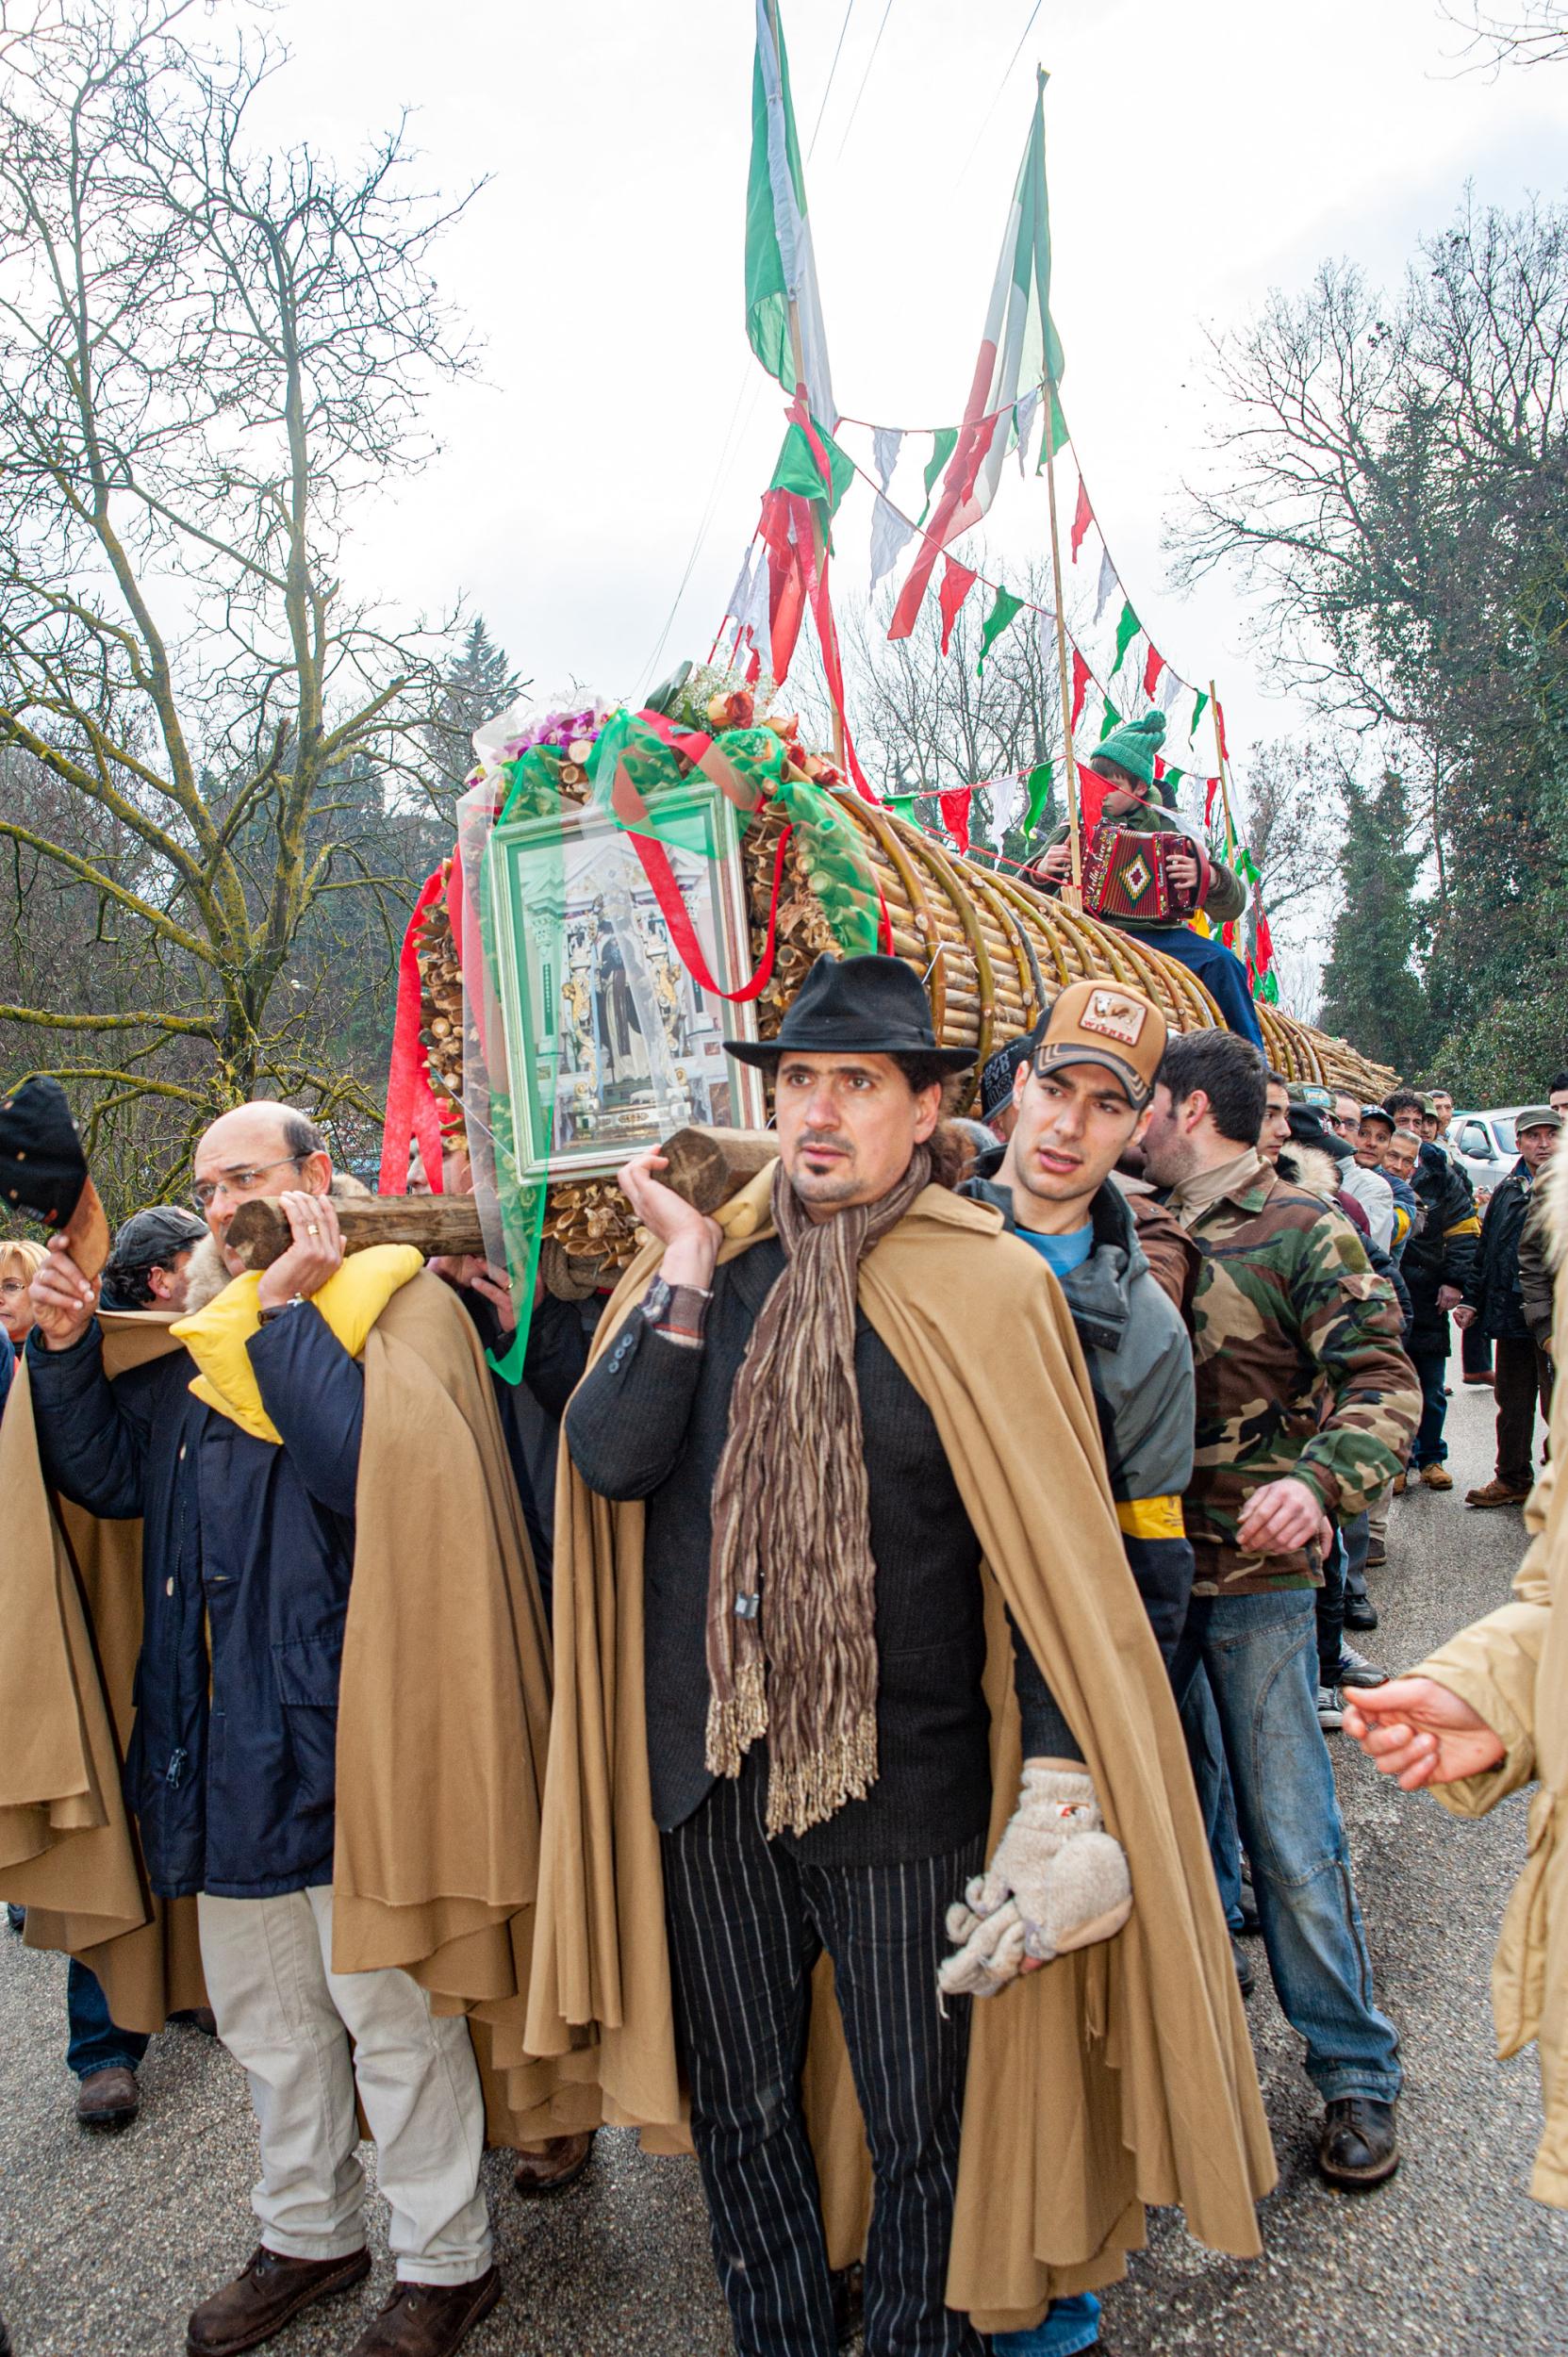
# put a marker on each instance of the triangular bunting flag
(1111, 720)
(886, 441)
(1006, 797)
(1211, 787)
(1220, 732)
(1080, 687)
(1200, 701)
(944, 443)
(1083, 516)
(1001, 613)
(1091, 798)
(1127, 629)
(889, 533)
(957, 582)
(1170, 687)
(1106, 584)
(1039, 795)
(1265, 945)
(954, 807)
(1153, 665)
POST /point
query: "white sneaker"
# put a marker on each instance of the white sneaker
(1330, 1710)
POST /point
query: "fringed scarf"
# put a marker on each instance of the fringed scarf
(791, 1641)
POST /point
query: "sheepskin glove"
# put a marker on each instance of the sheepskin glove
(1058, 1880)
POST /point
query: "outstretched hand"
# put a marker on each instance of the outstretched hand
(1419, 1732)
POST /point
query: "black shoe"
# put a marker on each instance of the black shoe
(1251, 1924)
(1359, 2142)
(1246, 1980)
(1359, 1612)
(4, 2339)
(1353, 1669)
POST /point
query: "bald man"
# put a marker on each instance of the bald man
(248, 1552)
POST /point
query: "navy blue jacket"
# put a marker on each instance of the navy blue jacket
(248, 1547)
(7, 1368)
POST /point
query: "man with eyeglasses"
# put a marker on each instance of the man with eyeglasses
(256, 1485)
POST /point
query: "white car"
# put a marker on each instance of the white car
(1485, 1145)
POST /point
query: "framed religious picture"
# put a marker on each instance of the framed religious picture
(611, 1040)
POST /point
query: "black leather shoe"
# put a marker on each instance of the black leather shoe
(1359, 1612)
(4, 2339)
(1246, 1980)
(1359, 2142)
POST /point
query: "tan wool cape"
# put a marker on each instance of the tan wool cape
(443, 1706)
(1114, 2078)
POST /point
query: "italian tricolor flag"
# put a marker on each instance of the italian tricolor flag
(1019, 353)
(780, 266)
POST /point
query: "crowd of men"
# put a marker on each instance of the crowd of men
(1156, 1358)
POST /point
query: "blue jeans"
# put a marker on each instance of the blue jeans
(1206, 1750)
(1429, 1447)
(95, 2043)
(1219, 970)
(1066, 2327)
(1260, 1657)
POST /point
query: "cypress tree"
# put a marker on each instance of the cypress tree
(1372, 994)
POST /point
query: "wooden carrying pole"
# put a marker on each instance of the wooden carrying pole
(703, 1166)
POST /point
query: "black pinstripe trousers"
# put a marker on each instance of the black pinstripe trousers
(748, 1921)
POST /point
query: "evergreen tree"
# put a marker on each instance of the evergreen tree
(479, 684)
(1372, 994)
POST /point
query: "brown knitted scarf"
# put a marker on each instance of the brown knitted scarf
(792, 1649)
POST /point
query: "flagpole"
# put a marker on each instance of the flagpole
(1072, 894)
(797, 353)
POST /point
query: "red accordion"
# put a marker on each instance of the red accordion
(1124, 874)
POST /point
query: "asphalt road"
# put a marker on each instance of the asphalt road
(107, 2243)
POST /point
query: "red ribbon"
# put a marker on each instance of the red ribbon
(412, 1113)
(683, 932)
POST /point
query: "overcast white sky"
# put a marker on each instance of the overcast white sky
(1200, 152)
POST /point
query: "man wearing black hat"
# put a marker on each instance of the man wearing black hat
(811, 1475)
(148, 1267)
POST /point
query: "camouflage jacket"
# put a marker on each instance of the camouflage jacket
(1296, 1343)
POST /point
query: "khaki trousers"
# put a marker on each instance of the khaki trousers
(288, 2018)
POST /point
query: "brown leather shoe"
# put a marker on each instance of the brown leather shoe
(551, 2165)
(107, 2099)
(261, 2301)
(1436, 1477)
(429, 2319)
(1495, 1493)
(1400, 1481)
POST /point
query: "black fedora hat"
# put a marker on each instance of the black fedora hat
(872, 1005)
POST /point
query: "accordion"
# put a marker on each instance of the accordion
(1125, 875)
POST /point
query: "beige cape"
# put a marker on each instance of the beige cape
(1114, 2078)
(443, 1711)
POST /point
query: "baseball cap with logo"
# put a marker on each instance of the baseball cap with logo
(1105, 1024)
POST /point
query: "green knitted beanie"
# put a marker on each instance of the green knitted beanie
(1133, 746)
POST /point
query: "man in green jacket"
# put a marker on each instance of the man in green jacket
(1139, 803)
(1306, 1405)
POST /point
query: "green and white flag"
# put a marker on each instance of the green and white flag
(780, 266)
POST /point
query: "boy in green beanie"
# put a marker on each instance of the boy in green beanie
(1137, 801)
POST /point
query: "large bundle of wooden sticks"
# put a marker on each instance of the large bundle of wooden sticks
(992, 952)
